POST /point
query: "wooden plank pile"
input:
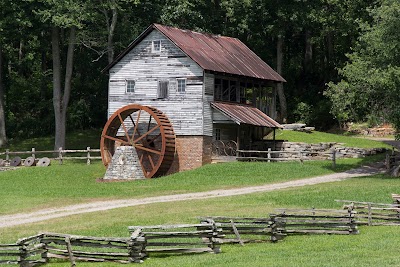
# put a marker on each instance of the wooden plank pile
(369, 213)
(179, 238)
(246, 229)
(316, 221)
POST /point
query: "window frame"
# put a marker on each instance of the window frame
(217, 134)
(153, 50)
(128, 88)
(177, 85)
(162, 94)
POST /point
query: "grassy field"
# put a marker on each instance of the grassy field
(35, 188)
(28, 189)
(370, 248)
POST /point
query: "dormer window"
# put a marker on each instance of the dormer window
(156, 46)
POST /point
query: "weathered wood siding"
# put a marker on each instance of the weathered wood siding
(207, 109)
(185, 110)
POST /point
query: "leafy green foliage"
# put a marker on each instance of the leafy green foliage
(371, 78)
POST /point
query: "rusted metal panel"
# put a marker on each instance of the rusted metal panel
(212, 52)
(220, 53)
(245, 114)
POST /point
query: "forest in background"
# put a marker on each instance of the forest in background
(338, 56)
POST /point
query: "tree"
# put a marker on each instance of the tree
(3, 137)
(63, 16)
(370, 87)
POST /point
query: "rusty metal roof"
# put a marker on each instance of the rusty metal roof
(213, 53)
(245, 114)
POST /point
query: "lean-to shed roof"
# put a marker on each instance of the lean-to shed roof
(245, 114)
(213, 53)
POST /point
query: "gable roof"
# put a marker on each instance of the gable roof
(212, 52)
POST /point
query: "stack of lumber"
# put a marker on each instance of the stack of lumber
(246, 229)
(316, 221)
(179, 238)
(369, 213)
(91, 249)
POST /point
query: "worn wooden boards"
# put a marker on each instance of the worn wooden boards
(369, 213)
(316, 221)
(247, 229)
(180, 238)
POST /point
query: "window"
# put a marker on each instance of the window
(156, 46)
(130, 86)
(217, 134)
(181, 85)
(162, 91)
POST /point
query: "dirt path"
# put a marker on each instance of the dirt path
(47, 214)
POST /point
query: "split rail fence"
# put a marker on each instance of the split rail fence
(179, 238)
(317, 221)
(206, 236)
(246, 229)
(369, 213)
(87, 154)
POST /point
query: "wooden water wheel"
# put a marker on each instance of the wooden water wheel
(145, 128)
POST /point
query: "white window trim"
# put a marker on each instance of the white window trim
(153, 50)
(177, 85)
(126, 86)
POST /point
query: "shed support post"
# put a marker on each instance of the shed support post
(238, 141)
(274, 140)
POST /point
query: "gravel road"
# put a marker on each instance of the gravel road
(47, 214)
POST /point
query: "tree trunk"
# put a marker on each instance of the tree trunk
(113, 25)
(308, 53)
(279, 87)
(3, 137)
(61, 99)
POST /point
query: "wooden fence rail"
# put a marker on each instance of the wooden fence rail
(316, 221)
(246, 229)
(59, 154)
(257, 155)
(369, 213)
(180, 238)
(39, 249)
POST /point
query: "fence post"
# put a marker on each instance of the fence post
(60, 156)
(7, 155)
(387, 161)
(33, 153)
(269, 154)
(334, 158)
(369, 215)
(301, 157)
(88, 155)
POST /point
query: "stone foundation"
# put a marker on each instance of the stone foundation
(124, 165)
(191, 152)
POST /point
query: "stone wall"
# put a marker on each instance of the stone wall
(312, 151)
(191, 152)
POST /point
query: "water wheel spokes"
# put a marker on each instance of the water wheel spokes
(145, 128)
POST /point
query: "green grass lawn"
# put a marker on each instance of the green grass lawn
(317, 137)
(369, 248)
(28, 189)
(34, 188)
